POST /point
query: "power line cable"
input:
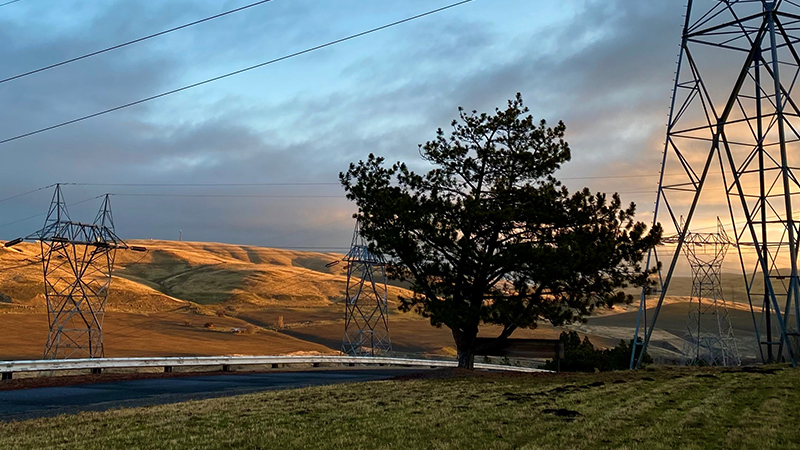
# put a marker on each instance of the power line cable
(197, 184)
(278, 184)
(226, 195)
(236, 72)
(10, 2)
(125, 44)
(326, 184)
(44, 214)
(168, 185)
(27, 193)
(296, 183)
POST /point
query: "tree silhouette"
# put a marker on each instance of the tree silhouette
(489, 236)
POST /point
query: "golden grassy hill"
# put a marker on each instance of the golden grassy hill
(21, 285)
(233, 275)
(160, 301)
(179, 274)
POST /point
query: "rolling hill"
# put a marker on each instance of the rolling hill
(163, 301)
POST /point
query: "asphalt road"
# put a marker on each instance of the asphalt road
(52, 401)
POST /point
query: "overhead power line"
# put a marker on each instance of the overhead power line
(288, 184)
(197, 184)
(8, 3)
(26, 193)
(236, 72)
(44, 214)
(135, 41)
(166, 185)
(227, 196)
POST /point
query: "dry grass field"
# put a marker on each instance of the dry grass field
(160, 301)
(156, 334)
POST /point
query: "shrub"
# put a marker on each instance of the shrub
(581, 356)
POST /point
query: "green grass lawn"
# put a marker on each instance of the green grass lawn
(651, 409)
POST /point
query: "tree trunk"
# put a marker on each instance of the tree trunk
(465, 345)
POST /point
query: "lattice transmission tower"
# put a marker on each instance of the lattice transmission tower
(709, 337)
(366, 317)
(732, 145)
(78, 259)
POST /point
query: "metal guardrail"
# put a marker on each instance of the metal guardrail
(7, 368)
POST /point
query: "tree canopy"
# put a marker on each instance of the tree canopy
(488, 235)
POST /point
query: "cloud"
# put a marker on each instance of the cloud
(603, 67)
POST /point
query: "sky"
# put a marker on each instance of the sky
(604, 67)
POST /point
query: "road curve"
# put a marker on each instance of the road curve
(52, 401)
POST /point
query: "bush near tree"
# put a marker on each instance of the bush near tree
(581, 356)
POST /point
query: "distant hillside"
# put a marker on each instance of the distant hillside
(175, 274)
(21, 285)
(186, 298)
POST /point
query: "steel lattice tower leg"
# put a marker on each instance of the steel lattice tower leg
(734, 127)
(366, 318)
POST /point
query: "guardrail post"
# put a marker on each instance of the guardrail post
(226, 368)
(167, 369)
(97, 371)
(276, 366)
(7, 375)
(316, 364)
(352, 364)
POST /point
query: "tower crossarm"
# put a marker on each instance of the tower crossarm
(700, 239)
(362, 254)
(77, 233)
